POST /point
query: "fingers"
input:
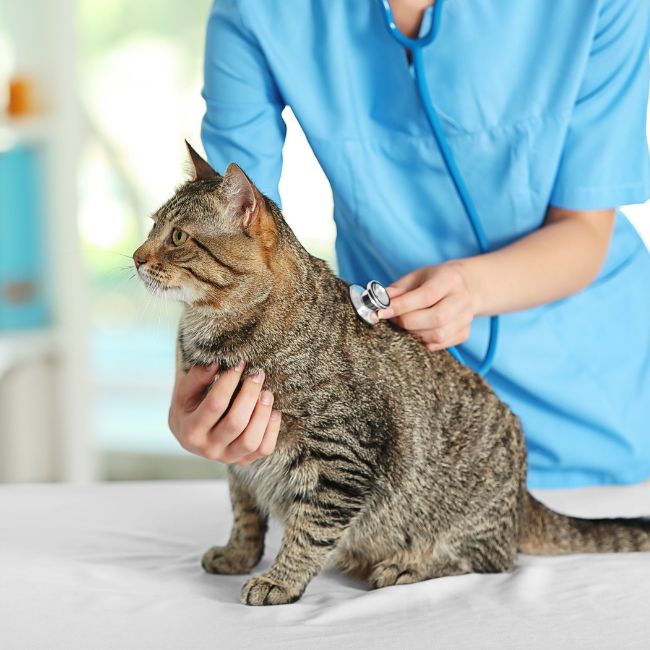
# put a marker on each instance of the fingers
(189, 390)
(408, 301)
(394, 291)
(269, 439)
(404, 285)
(189, 387)
(198, 425)
(226, 429)
(421, 319)
(239, 414)
(458, 337)
(424, 288)
(413, 299)
(399, 287)
(433, 303)
(447, 313)
(249, 437)
(445, 324)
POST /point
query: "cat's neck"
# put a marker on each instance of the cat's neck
(305, 289)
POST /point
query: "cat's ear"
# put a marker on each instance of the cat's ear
(202, 169)
(243, 196)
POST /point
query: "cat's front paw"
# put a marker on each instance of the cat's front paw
(260, 590)
(227, 560)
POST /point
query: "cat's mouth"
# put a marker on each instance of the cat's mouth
(158, 287)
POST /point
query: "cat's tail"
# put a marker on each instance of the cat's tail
(544, 532)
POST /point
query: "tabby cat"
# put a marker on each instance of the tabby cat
(396, 463)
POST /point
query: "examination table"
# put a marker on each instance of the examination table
(116, 566)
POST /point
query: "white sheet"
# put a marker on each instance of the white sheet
(116, 566)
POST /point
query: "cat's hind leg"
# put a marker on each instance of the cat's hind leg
(407, 567)
(246, 544)
(485, 544)
(489, 552)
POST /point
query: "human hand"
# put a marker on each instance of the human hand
(435, 303)
(210, 426)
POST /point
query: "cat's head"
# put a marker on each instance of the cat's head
(213, 243)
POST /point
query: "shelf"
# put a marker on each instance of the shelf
(19, 347)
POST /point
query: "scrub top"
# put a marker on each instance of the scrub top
(542, 104)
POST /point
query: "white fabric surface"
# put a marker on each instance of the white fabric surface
(116, 566)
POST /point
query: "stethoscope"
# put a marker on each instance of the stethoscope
(375, 297)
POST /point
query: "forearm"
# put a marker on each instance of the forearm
(559, 259)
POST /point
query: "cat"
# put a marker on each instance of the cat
(394, 463)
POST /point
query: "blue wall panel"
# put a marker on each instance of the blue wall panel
(24, 300)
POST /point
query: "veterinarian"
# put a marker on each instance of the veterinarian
(545, 111)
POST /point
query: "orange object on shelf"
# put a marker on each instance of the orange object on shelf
(22, 96)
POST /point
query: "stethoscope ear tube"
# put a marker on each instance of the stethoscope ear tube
(405, 41)
(416, 46)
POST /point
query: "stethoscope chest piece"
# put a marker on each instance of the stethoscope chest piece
(369, 301)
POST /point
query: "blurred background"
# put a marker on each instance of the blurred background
(96, 98)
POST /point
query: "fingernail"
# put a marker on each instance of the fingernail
(386, 313)
(267, 397)
(258, 377)
(240, 366)
(275, 415)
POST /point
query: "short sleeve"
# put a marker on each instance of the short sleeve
(243, 121)
(604, 161)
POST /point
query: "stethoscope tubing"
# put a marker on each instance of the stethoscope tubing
(416, 47)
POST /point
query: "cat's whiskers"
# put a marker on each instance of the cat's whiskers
(119, 275)
(128, 257)
(166, 300)
(155, 290)
(161, 293)
(150, 291)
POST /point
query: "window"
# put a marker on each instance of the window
(141, 77)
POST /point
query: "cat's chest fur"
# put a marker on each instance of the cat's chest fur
(291, 366)
(276, 481)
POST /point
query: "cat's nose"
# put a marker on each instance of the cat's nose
(138, 260)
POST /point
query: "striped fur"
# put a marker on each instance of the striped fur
(394, 463)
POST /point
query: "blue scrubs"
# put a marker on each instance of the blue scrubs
(543, 104)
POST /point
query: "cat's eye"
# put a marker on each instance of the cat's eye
(179, 237)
